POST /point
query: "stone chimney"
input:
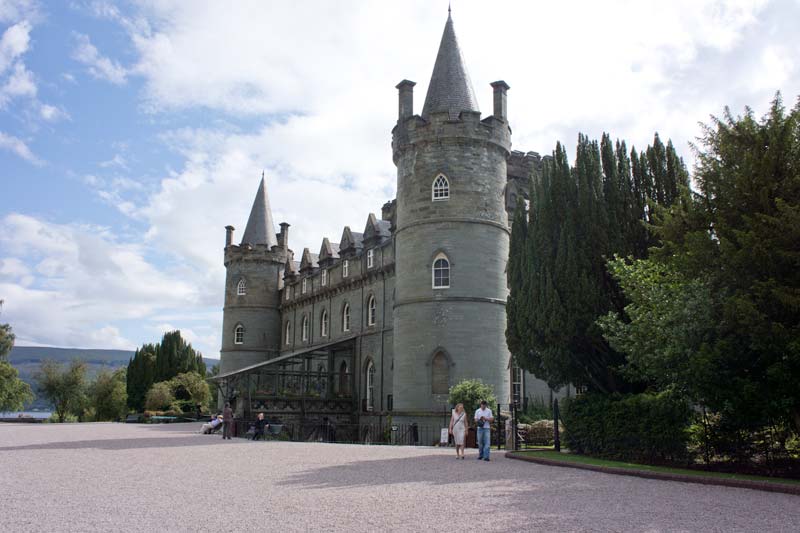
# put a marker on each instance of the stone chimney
(228, 235)
(406, 99)
(283, 236)
(500, 109)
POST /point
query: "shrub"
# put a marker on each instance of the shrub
(652, 428)
(470, 392)
(159, 397)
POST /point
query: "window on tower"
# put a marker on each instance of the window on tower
(440, 374)
(441, 272)
(440, 190)
(238, 334)
(241, 288)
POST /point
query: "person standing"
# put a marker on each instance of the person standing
(227, 421)
(458, 429)
(484, 419)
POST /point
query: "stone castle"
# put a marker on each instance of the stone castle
(385, 321)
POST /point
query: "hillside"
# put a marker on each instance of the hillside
(27, 359)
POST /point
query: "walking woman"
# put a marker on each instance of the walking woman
(458, 429)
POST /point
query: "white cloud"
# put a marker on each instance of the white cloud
(52, 113)
(18, 146)
(98, 65)
(85, 283)
(14, 43)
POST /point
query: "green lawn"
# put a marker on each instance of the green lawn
(582, 459)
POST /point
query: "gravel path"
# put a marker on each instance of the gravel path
(111, 477)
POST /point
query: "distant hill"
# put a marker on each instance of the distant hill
(27, 359)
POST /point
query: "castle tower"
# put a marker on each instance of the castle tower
(451, 240)
(251, 323)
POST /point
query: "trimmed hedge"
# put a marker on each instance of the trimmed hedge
(653, 428)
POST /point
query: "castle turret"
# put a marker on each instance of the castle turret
(451, 240)
(251, 324)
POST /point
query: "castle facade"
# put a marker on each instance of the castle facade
(384, 321)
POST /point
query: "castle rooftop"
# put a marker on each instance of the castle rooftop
(260, 228)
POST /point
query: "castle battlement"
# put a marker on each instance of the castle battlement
(255, 252)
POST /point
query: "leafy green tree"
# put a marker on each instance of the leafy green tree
(160, 397)
(191, 390)
(153, 363)
(470, 392)
(559, 282)
(14, 393)
(65, 388)
(108, 396)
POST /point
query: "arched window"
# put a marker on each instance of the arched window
(304, 330)
(323, 323)
(344, 388)
(346, 317)
(241, 288)
(441, 272)
(370, 388)
(440, 374)
(440, 190)
(238, 334)
(288, 333)
(371, 311)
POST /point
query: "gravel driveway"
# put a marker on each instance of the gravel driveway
(104, 477)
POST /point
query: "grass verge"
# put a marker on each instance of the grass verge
(582, 459)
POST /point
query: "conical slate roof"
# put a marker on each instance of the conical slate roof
(260, 228)
(450, 88)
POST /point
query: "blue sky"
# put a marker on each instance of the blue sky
(131, 133)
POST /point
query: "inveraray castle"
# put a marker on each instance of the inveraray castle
(385, 319)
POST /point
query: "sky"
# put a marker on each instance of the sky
(132, 132)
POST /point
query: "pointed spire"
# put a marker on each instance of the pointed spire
(260, 229)
(450, 88)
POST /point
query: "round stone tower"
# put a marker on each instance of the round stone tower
(451, 241)
(251, 323)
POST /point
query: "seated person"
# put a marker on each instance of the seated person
(261, 423)
(210, 427)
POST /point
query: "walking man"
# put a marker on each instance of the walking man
(227, 421)
(483, 421)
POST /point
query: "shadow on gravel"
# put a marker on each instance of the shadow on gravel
(126, 444)
(432, 469)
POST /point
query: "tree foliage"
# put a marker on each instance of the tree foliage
(559, 283)
(108, 396)
(160, 397)
(14, 393)
(729, 255)
(153, 363)
(470, 392)
(64, 387)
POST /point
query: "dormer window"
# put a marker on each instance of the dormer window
(440, 190)
(370, 258)
(303, 290)
(440, 272)
(238, 334)
(323, 278)
(241, 288)
(345, 268)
